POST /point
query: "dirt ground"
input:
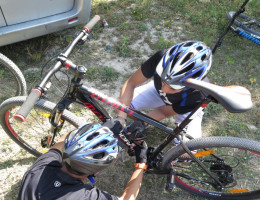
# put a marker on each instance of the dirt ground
(99, 52)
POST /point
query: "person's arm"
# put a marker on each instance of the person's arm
(133, 186)
(162, 112)
(127, 91)
(59, 144)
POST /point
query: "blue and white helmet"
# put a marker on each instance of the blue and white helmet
(189, 59)
(90, 149)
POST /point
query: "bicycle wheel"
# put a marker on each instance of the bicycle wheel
(235, 162)
(12, 82)
(33, 133)
(248, 24)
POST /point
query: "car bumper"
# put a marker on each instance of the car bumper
(14, 33)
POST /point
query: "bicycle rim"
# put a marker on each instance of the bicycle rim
(12, 82)
(238, 170)
(34, 134)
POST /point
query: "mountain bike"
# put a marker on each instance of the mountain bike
(212, 167)
(247, 27)
(241, 25)
(12, 82)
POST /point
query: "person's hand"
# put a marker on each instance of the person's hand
(141, 153)
(136, 131)
(115, 125)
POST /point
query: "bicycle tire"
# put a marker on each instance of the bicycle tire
(12, 81)
(254, 28)
(245, 172)
(34, 130)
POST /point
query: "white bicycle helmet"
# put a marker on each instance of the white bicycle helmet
(189, 59)
(90, 149)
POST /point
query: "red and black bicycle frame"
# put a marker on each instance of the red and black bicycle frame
(88, 97)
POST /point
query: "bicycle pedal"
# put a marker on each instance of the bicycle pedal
(170, 181)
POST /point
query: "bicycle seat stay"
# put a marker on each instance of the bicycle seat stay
(235, 99)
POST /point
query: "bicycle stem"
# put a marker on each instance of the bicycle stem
(83, 34)
(62, 58)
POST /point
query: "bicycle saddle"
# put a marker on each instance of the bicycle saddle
(234, 99)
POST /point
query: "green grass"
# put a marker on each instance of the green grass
(105, 74)
(161, 23)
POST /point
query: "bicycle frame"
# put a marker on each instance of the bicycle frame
(238, 31)
(93, 106)
(88, 96)
(249, 36)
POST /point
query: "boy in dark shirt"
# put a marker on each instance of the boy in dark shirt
(86, 152)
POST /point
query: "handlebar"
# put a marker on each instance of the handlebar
(92, 23)
(28, 105)
(38, 90)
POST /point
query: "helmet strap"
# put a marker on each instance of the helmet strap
(91, 178)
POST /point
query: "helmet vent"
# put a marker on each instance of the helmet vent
(188, 44)
(197, 74)
(186, 69)
(99, 155)
(203, 57)
(172, 50)
(101, 144)
(92, 136)
(187, 58)
(199, 48)
(175, 59)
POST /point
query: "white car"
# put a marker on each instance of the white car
(24, 19)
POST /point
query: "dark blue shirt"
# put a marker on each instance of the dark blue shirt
(45, 181)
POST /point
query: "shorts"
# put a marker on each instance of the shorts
(146, 96)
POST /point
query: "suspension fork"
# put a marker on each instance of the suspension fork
(56, 121)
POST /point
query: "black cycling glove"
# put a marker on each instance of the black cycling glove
(136, 130)
(115, 125)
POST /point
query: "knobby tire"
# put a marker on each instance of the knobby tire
(36, 127)
(12, 81)
(242, 155)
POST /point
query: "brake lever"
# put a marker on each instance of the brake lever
(85, 38)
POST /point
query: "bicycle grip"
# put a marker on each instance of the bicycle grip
(92, 23)
(28, 105)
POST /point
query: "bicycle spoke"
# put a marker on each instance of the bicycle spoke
(35, 129)
(238, 172)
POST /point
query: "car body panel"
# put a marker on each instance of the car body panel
(2, 20)
(36, 23)
(37, 9)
